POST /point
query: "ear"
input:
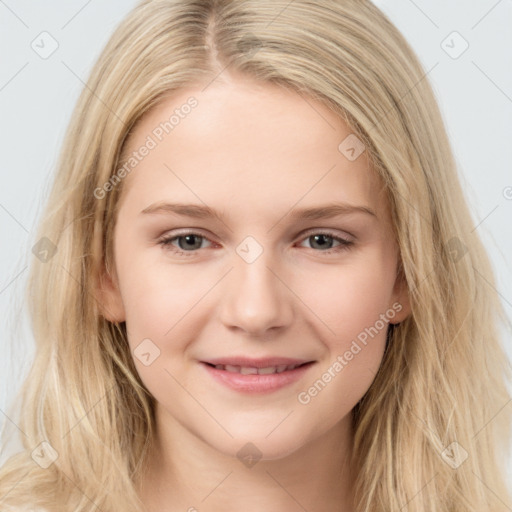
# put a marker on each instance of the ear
(400, 297)
(109, 296)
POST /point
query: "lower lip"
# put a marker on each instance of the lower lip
(257, 383)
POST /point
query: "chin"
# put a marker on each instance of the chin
(256, 444)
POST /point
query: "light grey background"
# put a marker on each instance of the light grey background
(37, 95)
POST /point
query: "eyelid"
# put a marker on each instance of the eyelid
(345, 235)
(183, 232)
(168, 236)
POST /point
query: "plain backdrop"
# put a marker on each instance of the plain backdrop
(465, 46)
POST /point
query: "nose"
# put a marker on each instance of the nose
(256, 299)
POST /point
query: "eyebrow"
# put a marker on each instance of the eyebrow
(197, 211)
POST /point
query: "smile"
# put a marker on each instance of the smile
(249, 370)
(249, 379)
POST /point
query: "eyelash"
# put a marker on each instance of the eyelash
(167, 240)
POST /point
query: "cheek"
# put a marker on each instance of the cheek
(158, 321)
(352, 311)
(352, 359)
(167, 305)
(349, 298)
(156, 295)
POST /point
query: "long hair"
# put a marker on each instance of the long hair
(432, 432)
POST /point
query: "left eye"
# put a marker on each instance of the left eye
(191, 242)
(186, 242)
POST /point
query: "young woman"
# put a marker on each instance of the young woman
(264, 291)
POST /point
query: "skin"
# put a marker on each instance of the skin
(253, 152)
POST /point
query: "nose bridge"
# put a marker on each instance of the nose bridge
(254, 299)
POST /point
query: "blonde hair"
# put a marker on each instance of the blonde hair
(444, 373)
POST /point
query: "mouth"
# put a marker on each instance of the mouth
(253, 370)
(256, 376)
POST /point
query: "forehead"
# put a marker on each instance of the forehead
(257, 144)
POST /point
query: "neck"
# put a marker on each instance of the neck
(191, 475)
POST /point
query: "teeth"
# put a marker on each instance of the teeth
(248, 370)
(266, 371)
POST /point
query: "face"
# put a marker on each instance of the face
(283, 255)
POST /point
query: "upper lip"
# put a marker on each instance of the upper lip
(265, 362)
